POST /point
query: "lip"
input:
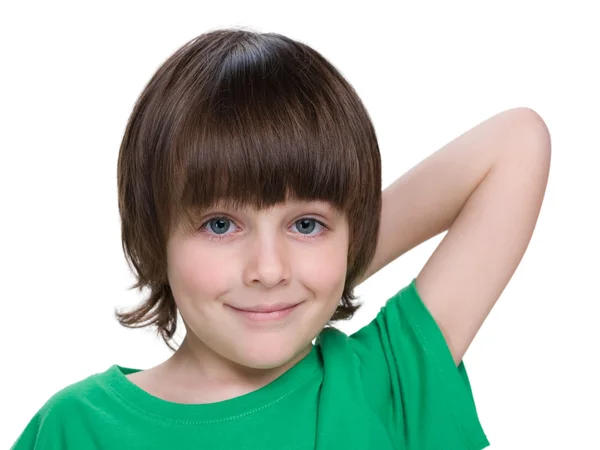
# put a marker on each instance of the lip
(267, 312)
(267, 308)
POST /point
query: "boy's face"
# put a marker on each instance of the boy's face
(251, 259)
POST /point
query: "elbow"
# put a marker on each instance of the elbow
(534, 129)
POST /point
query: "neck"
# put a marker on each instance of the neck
(204, 376)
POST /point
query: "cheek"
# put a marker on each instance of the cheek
(191, 273)
(325, 273)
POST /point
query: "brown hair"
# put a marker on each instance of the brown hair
(252, 119)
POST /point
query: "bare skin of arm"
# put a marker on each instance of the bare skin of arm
(486, 188)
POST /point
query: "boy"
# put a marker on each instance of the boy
(250, 197)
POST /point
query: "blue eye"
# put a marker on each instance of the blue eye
(221, 224)
(307, 224)
(218, 226)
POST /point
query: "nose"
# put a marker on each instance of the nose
(268, 260)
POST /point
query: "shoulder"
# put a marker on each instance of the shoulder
(49, 422)
(409, 377)
(76, 392)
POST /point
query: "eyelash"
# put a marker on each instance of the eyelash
(214, 237)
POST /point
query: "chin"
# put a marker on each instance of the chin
(270, 356)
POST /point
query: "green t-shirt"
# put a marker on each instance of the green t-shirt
(391, 385)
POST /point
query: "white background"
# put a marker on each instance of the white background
(70, 73)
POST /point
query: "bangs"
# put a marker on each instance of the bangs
(266, 132)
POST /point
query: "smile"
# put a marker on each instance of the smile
(267, 315)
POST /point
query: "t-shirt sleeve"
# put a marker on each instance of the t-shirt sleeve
(40, 433)
(411, 381)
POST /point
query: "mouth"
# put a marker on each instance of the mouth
(270, 313)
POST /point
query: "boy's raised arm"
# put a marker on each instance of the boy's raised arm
(486, 188)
